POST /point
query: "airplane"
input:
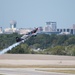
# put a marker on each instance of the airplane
(20, 40)
(27, 36)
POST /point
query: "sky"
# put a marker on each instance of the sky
(35, 13)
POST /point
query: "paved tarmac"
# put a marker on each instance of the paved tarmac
(27, 71)
(10, 60)
(35, 59)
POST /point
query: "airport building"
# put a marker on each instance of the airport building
(50, 27)
(67, 31)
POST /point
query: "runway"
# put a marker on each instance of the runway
(27, 71)
(28, 64)
(35, 59)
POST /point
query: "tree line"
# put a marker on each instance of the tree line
(47, 44)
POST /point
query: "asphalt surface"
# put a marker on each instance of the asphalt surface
(33, 59)
(27, 71)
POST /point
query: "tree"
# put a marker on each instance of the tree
(58, 50)
(71, 40)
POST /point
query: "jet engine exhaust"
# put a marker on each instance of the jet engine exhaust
(9, 48)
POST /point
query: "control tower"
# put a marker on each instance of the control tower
(13, 24)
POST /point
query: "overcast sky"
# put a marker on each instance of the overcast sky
(35, 13)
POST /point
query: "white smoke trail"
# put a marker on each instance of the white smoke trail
(25, 37)
(9, 48)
